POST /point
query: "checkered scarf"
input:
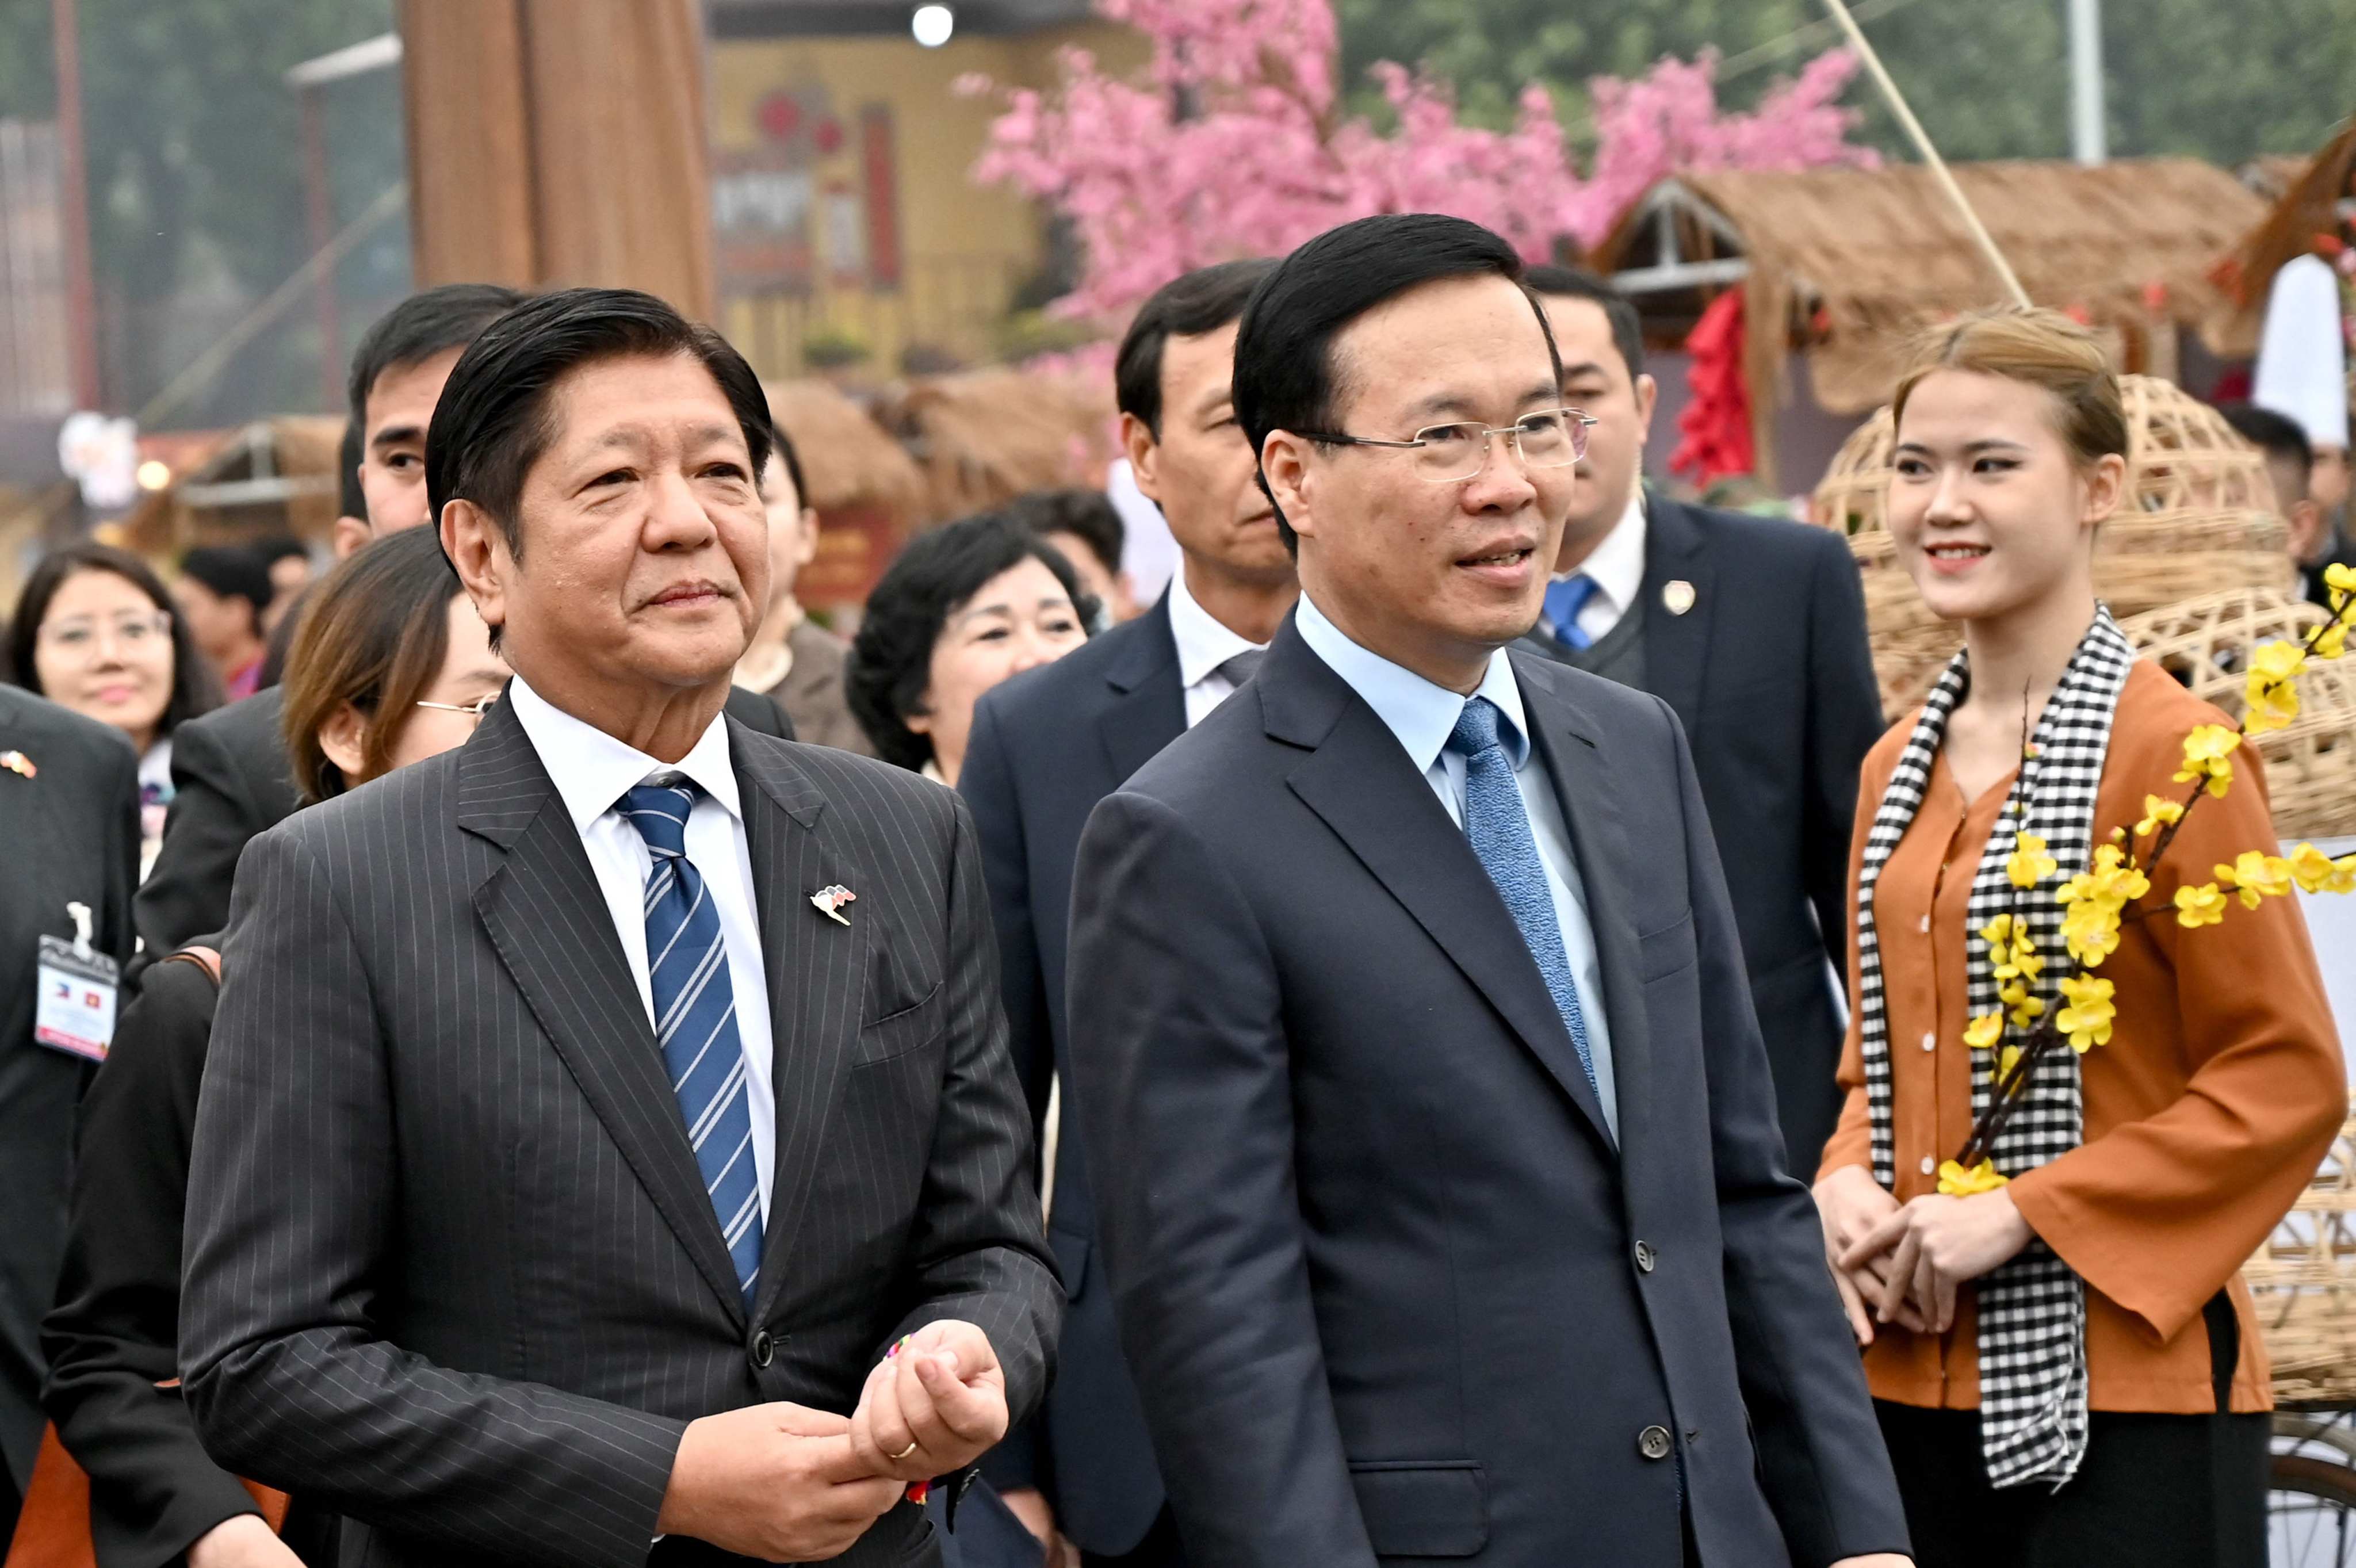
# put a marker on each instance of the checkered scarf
(2032, 1309)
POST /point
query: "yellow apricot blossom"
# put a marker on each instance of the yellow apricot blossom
(2257, 875)
(2208, 759)
(2157, 813)
(2272, 700)
(1956, 1181)
(1984, 1031)
(2029, 864)
(2087, 1020)
(2026, 1009)
(2198, 906)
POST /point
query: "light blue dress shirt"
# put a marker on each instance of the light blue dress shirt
(1421, 715)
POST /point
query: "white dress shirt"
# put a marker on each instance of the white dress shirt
(1617, 566)
(1423, 715)
(1203, 644)
(591, 770)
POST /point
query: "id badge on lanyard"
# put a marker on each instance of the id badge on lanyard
(79, 984)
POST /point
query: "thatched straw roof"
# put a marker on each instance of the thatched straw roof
(983, 438)
(848, 460)
(1882, 251)
(274, 476)
(2305, 206)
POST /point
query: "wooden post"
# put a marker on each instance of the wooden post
(73, 203)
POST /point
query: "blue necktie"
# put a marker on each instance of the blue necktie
(1499, 828)
(695, 1019)
(1564, 600)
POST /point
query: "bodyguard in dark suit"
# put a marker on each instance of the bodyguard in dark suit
(1046, 747)
(652, 1164)
(69, 825)
(1753, 630)
(229, 770)
(1441, 1197)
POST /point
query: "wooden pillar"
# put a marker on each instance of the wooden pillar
(554, 142)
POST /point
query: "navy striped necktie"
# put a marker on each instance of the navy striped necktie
(695, 1018)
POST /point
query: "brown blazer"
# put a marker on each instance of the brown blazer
(811, 691)
(2217, 1096)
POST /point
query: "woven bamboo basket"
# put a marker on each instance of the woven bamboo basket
(2303, 1282)
(2310, 765)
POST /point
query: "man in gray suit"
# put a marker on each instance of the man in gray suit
(609, 1133)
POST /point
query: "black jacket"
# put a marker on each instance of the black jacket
(1048, 747)
(230, 782)
(69, 833)
(1389, 1288)
(1772, 675)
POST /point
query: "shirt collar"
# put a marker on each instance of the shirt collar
(592, 769)
(1422, 715)
(1617, 563)
(1204, 643)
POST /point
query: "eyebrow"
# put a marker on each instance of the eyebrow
(1986, 444)
(1046, 602)
(1585, 368)
(397, 436)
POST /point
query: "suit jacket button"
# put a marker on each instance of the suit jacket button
(1644, 1256)
(1654, 1443)
(763, 1349)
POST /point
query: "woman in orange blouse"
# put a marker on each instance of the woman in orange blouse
(2120, 1419)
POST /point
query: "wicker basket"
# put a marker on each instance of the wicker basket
(2303, 1282)
(2181, 457)
(2310, 765)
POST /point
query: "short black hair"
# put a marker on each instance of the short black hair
(1087, 516)
(1186, 307)
(232, 572)
(429, 322)
(278, 547)
(193, 690)
(1574, 282)
(890, 658)
(2276, 435)
(351, 500)
(492, 424)
(1285, 376)
(782, 447)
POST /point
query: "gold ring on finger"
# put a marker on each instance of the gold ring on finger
(903, 1453)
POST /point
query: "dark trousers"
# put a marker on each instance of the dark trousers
(1160, 1549)
(2159, 1491)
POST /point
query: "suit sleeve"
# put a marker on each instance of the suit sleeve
(978, 1250)
(114, 1338)
(1181, 1064)
(210, 821)
(293, 1217)
(1822, 1463)
(987, 782)
(1845, 719)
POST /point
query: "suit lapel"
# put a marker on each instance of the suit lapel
(549, 922)
(816, 978)
(1149, 706)
(1363, 785)
(1676, 646)
(1582, 773)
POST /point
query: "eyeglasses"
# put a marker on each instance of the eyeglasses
(79, 638)
(1446, 454)
(474, 710)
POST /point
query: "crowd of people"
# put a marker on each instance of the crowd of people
(529, 1047)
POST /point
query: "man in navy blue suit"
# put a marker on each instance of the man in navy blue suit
(1440, 1190)
(1753, 630)
(1046, 747)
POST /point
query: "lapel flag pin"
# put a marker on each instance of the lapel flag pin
(17, 762)
(829, 901)
(1678, 596)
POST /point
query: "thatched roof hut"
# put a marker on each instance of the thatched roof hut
(983, 438)
(2307, 203)
(272, 477)
(849, 461)
(1842, 263)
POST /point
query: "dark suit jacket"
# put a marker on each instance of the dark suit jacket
(451, 1270)
(114, 1338)
(1770, 674)
(2342, 552)
(230, 782)
(1047, 746)
(67, 834)
(1389, 1290)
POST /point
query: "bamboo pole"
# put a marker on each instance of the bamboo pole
(1921, 140)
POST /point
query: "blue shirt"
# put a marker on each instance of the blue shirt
(1421, 715)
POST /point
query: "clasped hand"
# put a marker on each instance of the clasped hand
(785, 1482)
(1904, 1262)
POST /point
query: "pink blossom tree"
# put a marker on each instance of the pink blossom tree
(1232, 143)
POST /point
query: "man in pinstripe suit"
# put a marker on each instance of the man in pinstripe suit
(610, 1146)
